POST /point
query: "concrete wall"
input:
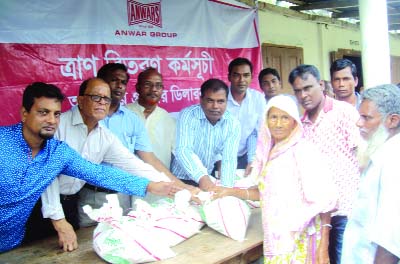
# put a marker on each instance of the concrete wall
(317, 37)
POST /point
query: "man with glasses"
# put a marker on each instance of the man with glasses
(80, 129)
(331, 126)
(160, 125)
(247, 105)
(127, 126)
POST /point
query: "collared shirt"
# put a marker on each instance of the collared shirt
(199, 144)
(23, 179)
(358, 102)
(161, 128)
(376, 213)
(100, 145)
(336, 135)
(249, 113)
(128, 127)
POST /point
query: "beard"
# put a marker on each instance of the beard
(368, 147)
(46, 136)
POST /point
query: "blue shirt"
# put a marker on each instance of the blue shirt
(23, 179)
(200, 144)
(128, 127)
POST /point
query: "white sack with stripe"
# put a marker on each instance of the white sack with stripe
(227, 215)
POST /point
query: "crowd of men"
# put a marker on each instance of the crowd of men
(46, 182)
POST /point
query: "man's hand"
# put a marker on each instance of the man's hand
(66, 235)
(383, 256)
(248, 170)
(206, 184)
(163, 188)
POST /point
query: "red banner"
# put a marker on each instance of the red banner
(200, 52)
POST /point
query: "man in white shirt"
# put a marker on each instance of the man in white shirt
(247, 105)
(131, 131)
(80, 128)
(372, 234)
(160, 125)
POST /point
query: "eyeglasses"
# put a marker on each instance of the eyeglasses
(150, 85)
(97, 98)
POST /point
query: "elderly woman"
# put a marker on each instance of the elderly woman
(296, 190)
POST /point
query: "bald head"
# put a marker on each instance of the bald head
(90, 82)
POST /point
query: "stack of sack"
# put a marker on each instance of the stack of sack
(148, 233)
(144, 235)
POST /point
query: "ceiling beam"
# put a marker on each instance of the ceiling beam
(326, 4)
(346, 9)
(355, 13)
(393, 11)
(394, 27)
(296, 2)
(394, 20)
(346, 14)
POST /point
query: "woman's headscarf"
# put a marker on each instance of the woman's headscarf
(264, 139)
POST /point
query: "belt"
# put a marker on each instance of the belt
(71, 197)
(98, 189)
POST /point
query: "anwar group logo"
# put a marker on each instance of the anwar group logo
(140, 13)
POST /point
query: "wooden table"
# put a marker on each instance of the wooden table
(206, 247)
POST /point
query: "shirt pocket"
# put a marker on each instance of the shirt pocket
(130, 142)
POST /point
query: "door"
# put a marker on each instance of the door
(283, 59)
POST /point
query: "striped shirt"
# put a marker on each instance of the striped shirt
(199, 144)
